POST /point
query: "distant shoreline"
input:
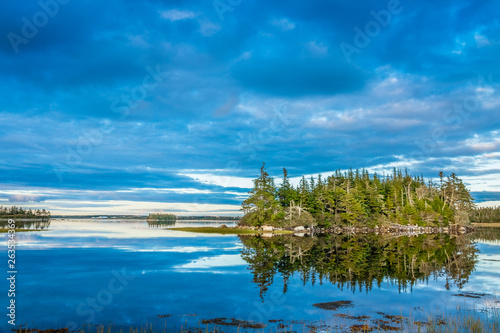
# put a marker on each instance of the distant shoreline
(3, 230)
(145, 217)
(26, 219)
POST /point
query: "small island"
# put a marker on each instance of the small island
(25, 219)
(356, 200)
(20, 214)
(162, 217)
(158, 220)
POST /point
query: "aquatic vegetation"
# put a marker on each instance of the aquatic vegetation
(233, 322)
(463, 321)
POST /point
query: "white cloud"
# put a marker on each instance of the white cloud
(283, 24)
(481, 40)
(220, 180)
(168, 190)
(459, 47)
(317, 49)
(490, 182)
(489, 204)
(177, 15)
(224, 260)
(128, 207)
(208, 28)
(487, 143)
(25, 198)
(137, 41)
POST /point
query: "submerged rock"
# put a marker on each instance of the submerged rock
(333, 305)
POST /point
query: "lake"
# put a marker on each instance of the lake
(131, 273)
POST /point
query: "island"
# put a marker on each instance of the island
(25, 219)
(22, 214)
(356, 199)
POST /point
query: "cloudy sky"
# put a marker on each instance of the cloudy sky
(129, 107)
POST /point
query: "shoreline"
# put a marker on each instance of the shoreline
(227, 231)
(487, 225)
(26, 219)
(268, 231)
(4, 231)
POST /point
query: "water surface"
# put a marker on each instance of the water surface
(131, 272)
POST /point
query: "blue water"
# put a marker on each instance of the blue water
(90, 271)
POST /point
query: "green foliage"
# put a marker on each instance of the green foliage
(286, 193)
(355, 198)
(162, 217)
(262, 206)
(208, 217)
(485, 215)
(14, 212)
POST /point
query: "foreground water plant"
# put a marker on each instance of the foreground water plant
(464, 320)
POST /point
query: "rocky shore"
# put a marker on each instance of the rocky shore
(391, 229)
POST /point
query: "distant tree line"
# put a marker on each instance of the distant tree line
(355, 198)
(485, 215)
(162, 217)
(209, 217)
(15, 212)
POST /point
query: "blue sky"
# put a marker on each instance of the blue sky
(132, 107)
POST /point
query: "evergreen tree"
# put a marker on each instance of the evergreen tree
(286, 191)
(356, 198)
(261, 207)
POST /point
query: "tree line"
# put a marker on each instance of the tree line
(19, 212)
(356, 198)
(162, 217)
(209, 218)
(485, 215)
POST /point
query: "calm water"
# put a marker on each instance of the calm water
(129, 273)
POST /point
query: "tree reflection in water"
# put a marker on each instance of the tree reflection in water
(362, 261)
(160, 224)
(34, 224)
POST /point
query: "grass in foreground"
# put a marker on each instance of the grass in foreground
(494, 225)
(226, 231)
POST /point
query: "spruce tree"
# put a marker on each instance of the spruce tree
(261, 207)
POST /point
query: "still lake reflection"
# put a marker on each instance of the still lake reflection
(130, 272)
